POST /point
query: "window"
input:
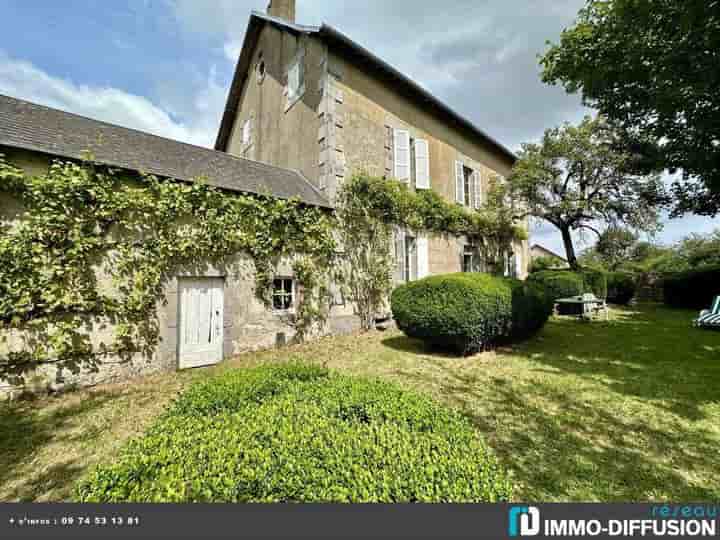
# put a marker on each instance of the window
(467, 185)
(410, 258)
(468, 190)
(283, 294)
(468, 261)
(511, 265)
(246, 132)
(296, 79)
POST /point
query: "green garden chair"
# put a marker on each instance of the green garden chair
(710, 317)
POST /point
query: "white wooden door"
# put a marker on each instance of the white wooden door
(201, 322)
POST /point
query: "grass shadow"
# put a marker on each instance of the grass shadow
(624, 410)
(26, 430)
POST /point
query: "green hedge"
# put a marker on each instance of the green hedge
(297, 433)
(693, 289)
(467, 312)
(564, 283)
(621, 287)
(559, 283)
(595, 282)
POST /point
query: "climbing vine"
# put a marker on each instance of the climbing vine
(370, 208)
(82, 226)
(92, 248)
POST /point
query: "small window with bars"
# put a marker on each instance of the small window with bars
(468, 260)
(283, 294)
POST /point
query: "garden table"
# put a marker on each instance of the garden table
(588, 304)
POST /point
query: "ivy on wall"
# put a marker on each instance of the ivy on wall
(81, 220)
(369, 208)
(94, 247)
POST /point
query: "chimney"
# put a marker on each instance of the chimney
(285, 9)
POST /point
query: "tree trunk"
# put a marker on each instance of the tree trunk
(569, 249)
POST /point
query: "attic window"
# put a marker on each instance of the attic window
(296, 79)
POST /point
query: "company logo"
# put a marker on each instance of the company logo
(524, 521)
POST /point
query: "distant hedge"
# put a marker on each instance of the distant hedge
(595, 282)
(621, 287)
(467, 312)
(559, 283)
(298, 433)
(693, 289)
(564, 283)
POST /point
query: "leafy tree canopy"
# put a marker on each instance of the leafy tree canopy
(652, 67)
(615, 246)
(577, 179)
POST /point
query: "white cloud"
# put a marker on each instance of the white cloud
(232, 49)
(198, 125)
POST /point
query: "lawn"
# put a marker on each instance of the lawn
(623, 410)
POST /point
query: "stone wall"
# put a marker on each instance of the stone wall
(248, 323)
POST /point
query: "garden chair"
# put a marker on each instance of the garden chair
(710, 317)
(595, 305)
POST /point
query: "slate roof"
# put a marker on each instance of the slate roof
(350, 48)
(30, 126)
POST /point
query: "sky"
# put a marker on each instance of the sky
(165, 66)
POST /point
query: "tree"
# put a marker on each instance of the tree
(615, 246)
(700, 250)
(652, 67)
(576, 179)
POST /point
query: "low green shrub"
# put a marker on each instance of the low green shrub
(564, 283)
(559, 283)
(464, 312)
(531, 308)
(467, 312)
(693, 289)
(296, 433)
(621, 287)
(595, 281)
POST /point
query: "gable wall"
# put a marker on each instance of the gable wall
(279, 136)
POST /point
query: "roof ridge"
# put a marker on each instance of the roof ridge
(135, 130)
(40, 128)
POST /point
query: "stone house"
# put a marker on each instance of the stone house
(537, 251)
(311, 99)
(306, 109)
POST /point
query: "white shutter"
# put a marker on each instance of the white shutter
(399, 255)
(518, 262)
(402, 155)
(422, 164)
(459, 183)
(246, 130)
(477, 190)
(423, 259)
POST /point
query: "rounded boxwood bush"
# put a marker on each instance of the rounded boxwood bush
(621, 287)
(468, 312)
(693, 289)
(531, 308)
(298, 433)
(464, 312)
